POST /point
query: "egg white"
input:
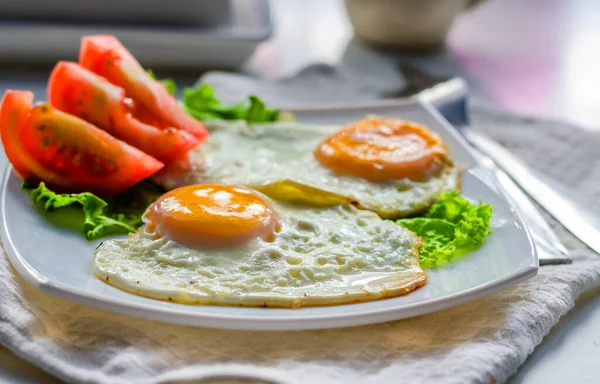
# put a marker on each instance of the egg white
(277, 160)
(321, 256)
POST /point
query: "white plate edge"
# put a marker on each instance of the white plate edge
(276, 323)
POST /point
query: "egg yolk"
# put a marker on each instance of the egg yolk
(382, 149)
(211, 215)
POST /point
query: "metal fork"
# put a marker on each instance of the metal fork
(450, 99)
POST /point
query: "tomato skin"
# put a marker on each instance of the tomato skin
(78, 91)
(14, 114)
(14, 111)
(87, 156)
(69, 154)
(107, 57)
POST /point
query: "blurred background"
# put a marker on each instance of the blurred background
(537, 57)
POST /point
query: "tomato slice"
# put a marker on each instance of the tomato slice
(15, 108)
(107, 57)
(68, 153)
(174, 174)
(76, 90)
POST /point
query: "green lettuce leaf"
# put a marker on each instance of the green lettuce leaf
(202, 103)
(452, 227)
(171, 85)
(120, 214)
(258, 112)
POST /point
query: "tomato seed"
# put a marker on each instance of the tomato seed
(96, 164)
(77, 160)
(45, 141)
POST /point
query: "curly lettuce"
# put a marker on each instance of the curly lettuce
(452, 227)
(120, 214)
(202, 103)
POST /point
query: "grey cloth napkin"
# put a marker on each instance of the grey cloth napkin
(482, 341)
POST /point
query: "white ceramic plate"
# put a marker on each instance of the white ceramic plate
(58, 260)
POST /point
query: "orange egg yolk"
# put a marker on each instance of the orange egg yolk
(212, 215)
(383, 149)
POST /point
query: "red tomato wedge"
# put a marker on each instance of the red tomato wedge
(78, 91)
(174, 174)
(66, 152)
(15, 109)
(107, 57)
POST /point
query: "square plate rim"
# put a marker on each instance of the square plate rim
(178, 315)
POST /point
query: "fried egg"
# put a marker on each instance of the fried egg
(229, 245)
(392, 167)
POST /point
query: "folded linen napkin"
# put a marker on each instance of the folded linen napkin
(482, 341)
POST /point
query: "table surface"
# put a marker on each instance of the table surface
(539, 57)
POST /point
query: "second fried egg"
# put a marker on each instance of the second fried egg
(392, 167)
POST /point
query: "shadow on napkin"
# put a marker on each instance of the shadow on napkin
(489, 337)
